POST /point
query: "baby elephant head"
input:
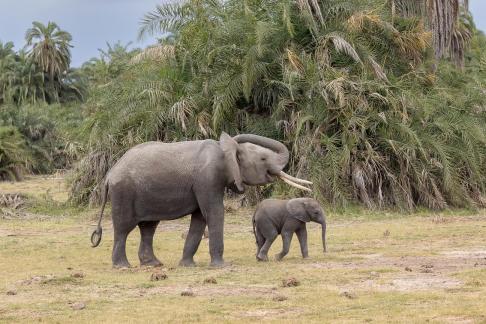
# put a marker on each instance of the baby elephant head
(306, 210)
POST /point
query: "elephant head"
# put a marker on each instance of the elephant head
(256, 160)
(306, 210)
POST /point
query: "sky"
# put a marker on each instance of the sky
(92, 23)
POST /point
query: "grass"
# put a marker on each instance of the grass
(388, 268)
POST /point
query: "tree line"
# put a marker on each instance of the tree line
(380, 102)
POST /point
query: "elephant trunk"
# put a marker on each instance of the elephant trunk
(323, 235)
(269, 143)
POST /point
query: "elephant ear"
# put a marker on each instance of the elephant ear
(230, 148)
(297, 210)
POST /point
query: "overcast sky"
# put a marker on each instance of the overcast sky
(94, 22)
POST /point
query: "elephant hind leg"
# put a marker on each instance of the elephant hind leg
(263, 254)
(119, 255)
(123, 223)
(260, 240)
(146, 250)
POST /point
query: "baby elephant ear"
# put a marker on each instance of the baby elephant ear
(297, 210)
(230, 148)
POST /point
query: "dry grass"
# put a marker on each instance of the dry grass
(424, 269)
(53, 186)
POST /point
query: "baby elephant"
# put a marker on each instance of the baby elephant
(274, 216)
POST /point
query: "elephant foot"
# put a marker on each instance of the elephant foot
(305, 257)
(262, 257)
(219, 264)
(278, 257)
(121, 265)
(187, 263)
(151, 263)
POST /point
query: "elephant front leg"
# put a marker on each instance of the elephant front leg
(216, 240)
(302, 236)
(286, 238)
(146, 250)
(193, 239)
(210, 201)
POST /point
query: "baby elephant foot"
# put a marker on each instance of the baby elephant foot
(279, 257)
(121, 265)
(151, 263)
(262, 257)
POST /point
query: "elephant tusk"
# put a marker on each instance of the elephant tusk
(293, 184)
(293, 179)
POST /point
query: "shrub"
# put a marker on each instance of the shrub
(14, 155)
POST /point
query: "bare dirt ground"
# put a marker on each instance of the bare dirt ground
(380, 267)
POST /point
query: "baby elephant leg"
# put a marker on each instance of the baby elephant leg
(286, 239)
(302, 236)
(260, 240)
(263, 253)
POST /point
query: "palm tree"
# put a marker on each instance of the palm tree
(49, 47)
(449, 21)
(7, 63)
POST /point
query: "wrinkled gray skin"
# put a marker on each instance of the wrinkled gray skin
(158, 181)
(286, 217)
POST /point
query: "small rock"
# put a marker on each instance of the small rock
(426, 271)
(77, 275)
(156, 276)
(11, 292)
(210, 280)
(78, 306)
(408, 269)
(290, 282)
(280, 298)
(187, 292)
(349, 295)
(69, 268)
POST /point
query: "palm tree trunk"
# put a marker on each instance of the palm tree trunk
(442, 18)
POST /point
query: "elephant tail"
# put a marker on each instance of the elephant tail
(98, 232)
(254, 227)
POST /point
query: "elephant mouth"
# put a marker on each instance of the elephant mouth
(270, 177)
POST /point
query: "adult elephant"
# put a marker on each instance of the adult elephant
(157, 181)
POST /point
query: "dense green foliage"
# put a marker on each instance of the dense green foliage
(33, 83)
(14, 156)
(353, 88)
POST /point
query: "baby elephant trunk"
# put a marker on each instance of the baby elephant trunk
(323, 223)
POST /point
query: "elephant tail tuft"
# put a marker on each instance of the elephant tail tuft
(98, 232)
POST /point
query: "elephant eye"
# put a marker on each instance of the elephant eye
(264, 158)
